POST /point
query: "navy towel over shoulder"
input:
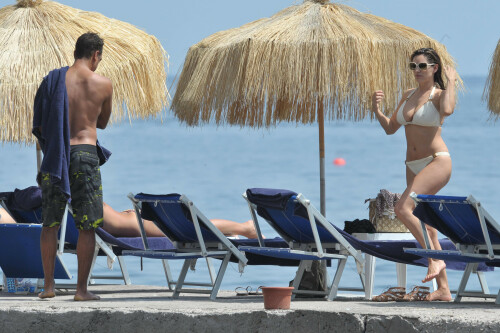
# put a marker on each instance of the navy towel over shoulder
(51, 127)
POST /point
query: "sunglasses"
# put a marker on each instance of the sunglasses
(422, 66)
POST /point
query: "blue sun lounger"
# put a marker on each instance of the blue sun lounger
(23, 241)
(308, 234)
(474, 232)
(20, 245)
(192, 234)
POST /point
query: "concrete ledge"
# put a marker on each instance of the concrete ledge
(143, 308)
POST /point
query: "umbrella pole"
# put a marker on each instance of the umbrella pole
(38, 157)
(321, 125)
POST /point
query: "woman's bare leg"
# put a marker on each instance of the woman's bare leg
(231, 228)
(429, 181)
(5, 217)
(443, 291)
(124, 224)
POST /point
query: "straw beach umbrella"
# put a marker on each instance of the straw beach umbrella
(308, 62)
(492, 90)
(37, 36)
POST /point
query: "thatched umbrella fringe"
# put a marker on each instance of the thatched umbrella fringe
(295, 78)
(133, 60)
(492, 88)
(319, 54)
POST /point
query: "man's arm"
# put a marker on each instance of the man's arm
(102, 120)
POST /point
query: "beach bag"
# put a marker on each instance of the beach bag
(383, 218)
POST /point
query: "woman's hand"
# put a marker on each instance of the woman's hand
(377, 98)
(451, 74)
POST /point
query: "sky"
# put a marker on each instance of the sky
(469, 29)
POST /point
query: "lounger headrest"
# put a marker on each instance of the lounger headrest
(268, 197)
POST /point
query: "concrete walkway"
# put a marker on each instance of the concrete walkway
(151, 309)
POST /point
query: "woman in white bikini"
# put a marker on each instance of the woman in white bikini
(428, 163)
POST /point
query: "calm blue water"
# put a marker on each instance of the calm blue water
(213, 167)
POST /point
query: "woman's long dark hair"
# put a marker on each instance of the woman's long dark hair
(432, 57)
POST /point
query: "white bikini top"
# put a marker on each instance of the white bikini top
(427, 115)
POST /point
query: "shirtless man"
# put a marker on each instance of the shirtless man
(90, 99)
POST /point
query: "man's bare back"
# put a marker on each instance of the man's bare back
(90, 99)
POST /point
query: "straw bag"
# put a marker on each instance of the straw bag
(386, 220)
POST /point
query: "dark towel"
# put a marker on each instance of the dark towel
(51, 114)
(363, 226)
(26, 199)
(270, 198)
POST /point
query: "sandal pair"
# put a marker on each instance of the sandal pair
(241, 291)
(390, 295)
(418, 294)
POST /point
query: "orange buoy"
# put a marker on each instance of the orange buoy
(339, 161)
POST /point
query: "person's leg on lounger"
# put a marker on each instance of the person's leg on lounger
(124, 224)
(5, 217)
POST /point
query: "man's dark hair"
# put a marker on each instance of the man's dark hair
(87, 44)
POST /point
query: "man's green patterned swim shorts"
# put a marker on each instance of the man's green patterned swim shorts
(86, 191)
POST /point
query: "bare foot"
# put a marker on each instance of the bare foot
(47, 294)
(441, 294)
(435, 267)
(88, 296)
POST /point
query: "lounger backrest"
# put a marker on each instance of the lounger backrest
(35, 217)
(455, 218)
(289, 219)
(25, 238)
(292, 223)
(173, 218)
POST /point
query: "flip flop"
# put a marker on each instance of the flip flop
(242, 291)
(257, 292)
(418, 293)
(390, 295)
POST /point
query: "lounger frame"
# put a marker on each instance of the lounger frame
(100, 246)
(190, 251)
(305, 250)
(469, 252)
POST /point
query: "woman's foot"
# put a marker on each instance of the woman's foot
(435, 267)
(442, 294)
(88, 296)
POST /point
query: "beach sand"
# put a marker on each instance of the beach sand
(146, 308)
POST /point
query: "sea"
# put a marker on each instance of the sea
(213, 165)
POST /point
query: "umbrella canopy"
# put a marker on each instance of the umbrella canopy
(492, 91)
(308, 57)
(37, 36)
(309, 61)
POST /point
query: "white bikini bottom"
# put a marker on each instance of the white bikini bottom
(418, 165)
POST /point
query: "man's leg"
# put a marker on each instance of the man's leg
(85, 254)
(87, 204)
(53, 208)
(48, 247)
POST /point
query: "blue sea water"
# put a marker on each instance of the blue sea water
(214, 165)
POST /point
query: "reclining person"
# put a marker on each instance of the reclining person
(124, 224)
